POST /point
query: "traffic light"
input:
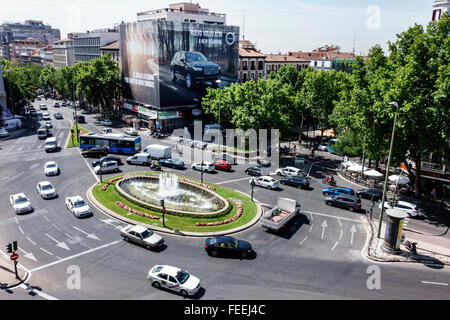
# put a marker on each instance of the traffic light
(162, 203)
(9, 248)
(15, 246)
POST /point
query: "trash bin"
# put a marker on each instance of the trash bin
(394, 228)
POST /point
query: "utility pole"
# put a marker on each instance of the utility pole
(387, 169)
(364, 157)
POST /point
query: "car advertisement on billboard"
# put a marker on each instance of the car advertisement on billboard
(168, 63)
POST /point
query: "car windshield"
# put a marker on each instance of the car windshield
(51, 165)
(79, 203)
(47, 187)
(182, 276)
(20, 200)
(193, 57)
(147, 233)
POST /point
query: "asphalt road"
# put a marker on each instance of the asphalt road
(317, 257)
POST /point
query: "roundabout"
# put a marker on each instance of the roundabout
(192, 208)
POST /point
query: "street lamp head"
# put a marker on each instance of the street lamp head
(394, 103)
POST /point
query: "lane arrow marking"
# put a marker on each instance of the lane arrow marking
(58, 244)
(352, 230)
(28, 255)
(89, 235)
(323, 225)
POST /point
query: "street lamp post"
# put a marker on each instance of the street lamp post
(10, 93)
(387, 168)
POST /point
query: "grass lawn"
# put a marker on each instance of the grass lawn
(75, 142)
(109, 197)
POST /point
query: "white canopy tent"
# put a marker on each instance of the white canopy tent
(398, 179)
(356, 168)
(347, 164)
(373, 173)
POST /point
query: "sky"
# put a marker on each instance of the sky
(274, 26)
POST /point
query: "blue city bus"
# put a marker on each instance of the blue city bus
(331, 147)
(116, 143)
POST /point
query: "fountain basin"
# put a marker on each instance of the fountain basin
(181, 197)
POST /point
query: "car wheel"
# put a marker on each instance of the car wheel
(116, 170)
(269, 187)
(126, 239)
(184, 293)
(84, 155)
(156, 284)
(278, 173)
(148, 247)
(351, 209)
(244, 255)
(328, 203)
(189, 81)
(214, 253)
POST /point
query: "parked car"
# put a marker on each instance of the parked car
(289, 171)
(51, 168)
(107, 158)
(173, 278)
(96, 152)
(3, 132)
(11, 124)
(205, 166)
(265, 182)
(106, 167)
(322, 147)
(411, 209)
(225, 245)
(56, 104)
(221, 165)
(77, 206)
(106, 122)
(172, 163)
(295, 181)
(46, 190)
(194, 68)
(20, 203)
(337, 191)
(345, 201)
(63, 104)
(43, 107)
(254, 171)
(58, 116)
(131, 132)
(369, 193)
(142, 236)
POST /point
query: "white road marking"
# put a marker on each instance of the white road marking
(327, 215)
(436, 283)
(303, 240)
(21, 230)
(28, 255)
(340, 224)
(89, 235)
(323, 225)
(56, 227)
(232, 181)
(17, 220)
(87, 164)
(46, 251)
(34, 243)
(352, 231)
(45, 217)
(38, 292)
(58, 244)
(75, 256)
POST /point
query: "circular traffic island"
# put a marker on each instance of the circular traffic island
(190, 206)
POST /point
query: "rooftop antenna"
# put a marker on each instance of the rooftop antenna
(243, 25)
(354, 43)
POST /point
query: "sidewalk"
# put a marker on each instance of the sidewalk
(430, 249)
(7, 275)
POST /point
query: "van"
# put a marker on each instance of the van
(43, 107)
(140, 158)
(12, 124)
(50, 144)
(157, 151)
(42, 133)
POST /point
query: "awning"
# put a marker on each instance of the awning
(401, 179)
(356, 168)
(373, 173)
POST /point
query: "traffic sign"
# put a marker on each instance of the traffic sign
(14, 257)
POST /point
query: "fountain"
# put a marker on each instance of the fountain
(179, 196)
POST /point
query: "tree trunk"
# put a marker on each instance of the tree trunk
(301, 130)
(417, 180)
(377, 164)
(370, 163)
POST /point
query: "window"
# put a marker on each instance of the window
(244, 65)
(162, 276)
(260, 65)
(172, 279)
(252, 66)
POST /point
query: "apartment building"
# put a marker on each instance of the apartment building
(87, 45)
(63, 53)
(251, 62)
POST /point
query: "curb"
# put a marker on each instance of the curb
(116, 216)
(12, 286)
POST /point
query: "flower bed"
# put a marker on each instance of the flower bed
(109, 182)
(217, 223)
(139, 213)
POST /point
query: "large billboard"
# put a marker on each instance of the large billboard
(168, 63)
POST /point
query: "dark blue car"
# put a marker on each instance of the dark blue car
(334, 191)
(172, 163)
(225, 245)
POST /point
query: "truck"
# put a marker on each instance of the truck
(157, 151)
(278, 217)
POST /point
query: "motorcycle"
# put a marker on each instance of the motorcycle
(155, 167)
(411, 246)
(329, 181)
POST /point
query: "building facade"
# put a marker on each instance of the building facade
(184, 12)
(63, 53)
(113, 49)
(439, 7)
(30, 29)
(275, 61)
(252, 63)
(87, 45)
(21, 50)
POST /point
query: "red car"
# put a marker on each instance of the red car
(222, 165)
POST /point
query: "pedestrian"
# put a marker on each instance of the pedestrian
(433, 194)
(295, 148)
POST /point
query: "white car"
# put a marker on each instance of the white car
(175, 279)
(265, 182)
(131, 132)
(48, 124)
(289, 171)
(107, 167)
(3, 132)
(106, 122)
(106, 130)
(322, 147)
(206, 166)
(78, 206)
(46, 190)
(51, 168)
(20, 203)
(409, 208)
(142, 236)
(46, 116)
